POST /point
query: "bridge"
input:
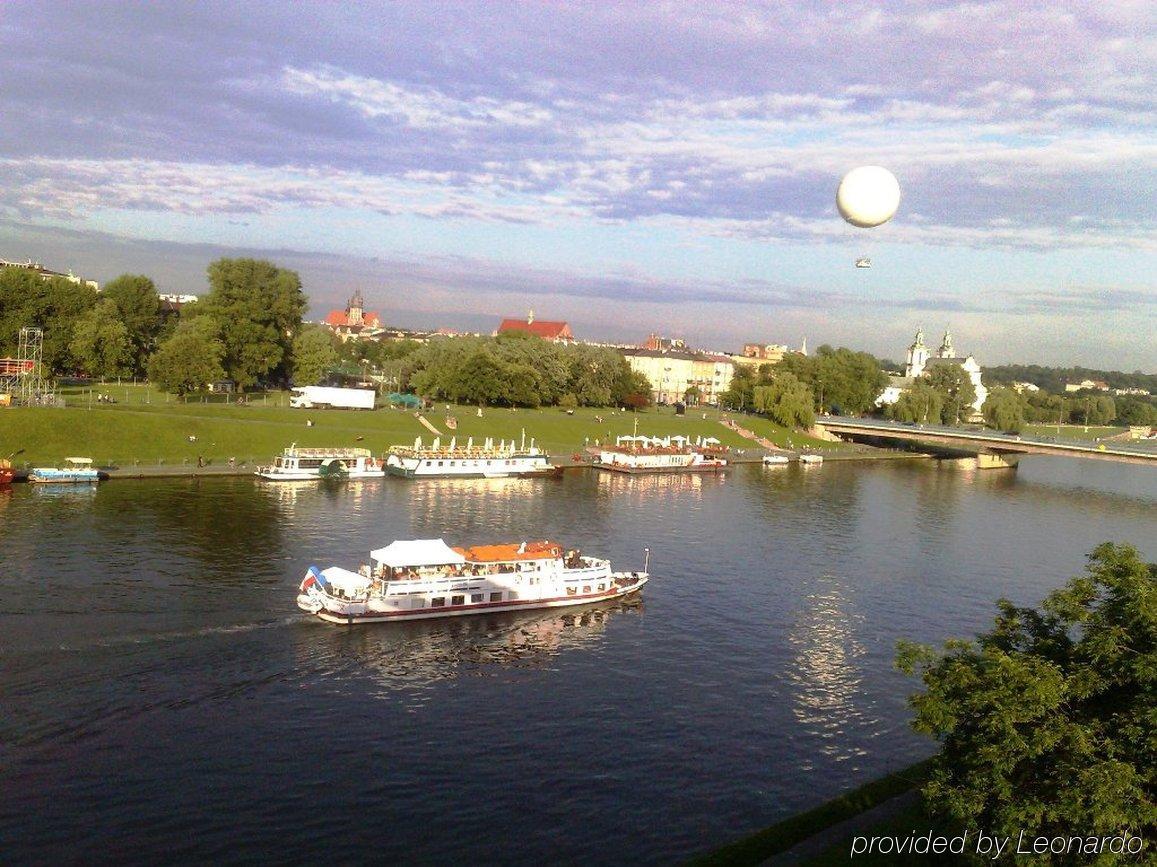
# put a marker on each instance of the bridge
(992, 448)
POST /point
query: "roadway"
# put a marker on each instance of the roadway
(991, 442)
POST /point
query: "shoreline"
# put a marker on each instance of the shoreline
(161, 471)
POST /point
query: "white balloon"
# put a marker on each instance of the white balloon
(868, 196)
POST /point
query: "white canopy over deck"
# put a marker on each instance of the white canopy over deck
(409, 553)
(343, 579)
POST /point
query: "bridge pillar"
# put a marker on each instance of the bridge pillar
(993, 461)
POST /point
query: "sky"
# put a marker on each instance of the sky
(629, 167)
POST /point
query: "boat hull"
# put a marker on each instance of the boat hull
(47, 475)
(650, 471)
(471, 469)
(633, 583)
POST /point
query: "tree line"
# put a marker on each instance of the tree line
(520, 369)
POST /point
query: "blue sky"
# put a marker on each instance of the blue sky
(629, 167)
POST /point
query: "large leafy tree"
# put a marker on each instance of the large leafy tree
(259, 307)
(190, 359)
(786, 401)
(956, 389)
(54, 306)
(847, 381)
(314, 355)
(139, 308)
(100, 342)
(1048, 722)
(921, 403)
(1004, 410)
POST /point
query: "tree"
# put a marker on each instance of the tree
(957, 390)
(314, 356)
(1004, 410)
(1136, 412)
(100, 342)
(1048, 722)
(53, 305)
(139, 308)
(846, 380)
(259, 307)
(921, 404)
(787, 401)
(190, 359)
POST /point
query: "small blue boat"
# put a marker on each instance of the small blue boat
(75, 470)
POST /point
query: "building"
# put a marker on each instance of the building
(354, 323)
(673, 373)
(1087, 385)
(45, 274)
(765, 353)
(655, 342)
(921, 362)
(1022, 387)
(558, 332)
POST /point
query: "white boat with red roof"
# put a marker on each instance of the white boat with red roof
(423, 578)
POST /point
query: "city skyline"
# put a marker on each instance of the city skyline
(626, 168)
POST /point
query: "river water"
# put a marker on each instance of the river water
(162, 698)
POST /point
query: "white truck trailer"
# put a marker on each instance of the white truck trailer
(310, 396)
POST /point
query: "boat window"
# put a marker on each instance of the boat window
(418, 603)
(586, 588)
(457, 600)
(513, 594)
(438, 602)
(496, 596)
(571, 591)
(475, 597)
(602, 586)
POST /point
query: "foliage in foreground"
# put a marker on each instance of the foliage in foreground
(1048, 723)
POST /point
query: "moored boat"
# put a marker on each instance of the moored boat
(299, 465)
(469, 460)
(775, 460)
(6, 472)
(75, 470)
(810, 459)
(642, 454)
(423, 578)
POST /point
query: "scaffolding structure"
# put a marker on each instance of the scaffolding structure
(22, 377)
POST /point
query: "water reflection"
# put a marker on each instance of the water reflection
(410, 656)
(827, 670)
(65, 491)
(470, 510)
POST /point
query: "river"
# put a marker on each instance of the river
(163, 699)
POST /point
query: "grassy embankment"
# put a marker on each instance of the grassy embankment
(1072, 431)
(782, 836)
(148, 428)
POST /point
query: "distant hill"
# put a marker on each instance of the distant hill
(1053, 379)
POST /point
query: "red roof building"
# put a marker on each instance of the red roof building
(353, 321)
(559, 332)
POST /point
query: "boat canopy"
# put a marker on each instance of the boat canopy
(79, 462)
(417, 552)
(345, 580)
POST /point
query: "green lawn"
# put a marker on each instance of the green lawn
(1072, 431)
(148, 427)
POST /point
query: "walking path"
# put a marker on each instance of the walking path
(427, 424)
(843, 832)
(751, 435)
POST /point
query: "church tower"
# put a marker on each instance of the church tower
(917, 355)
(355, 309)
(947, 350)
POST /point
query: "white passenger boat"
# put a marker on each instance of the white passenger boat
(75, 470)
(456, 460)
(642, 454)
(423, 578)
(775, 460)
(299, 465)
(813, 460)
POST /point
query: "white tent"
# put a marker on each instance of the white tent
(417, 552)
(345, 580)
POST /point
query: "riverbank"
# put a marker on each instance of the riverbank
(825, 831)
(146, 428)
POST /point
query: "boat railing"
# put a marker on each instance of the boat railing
(463, 453)
(294, 451)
